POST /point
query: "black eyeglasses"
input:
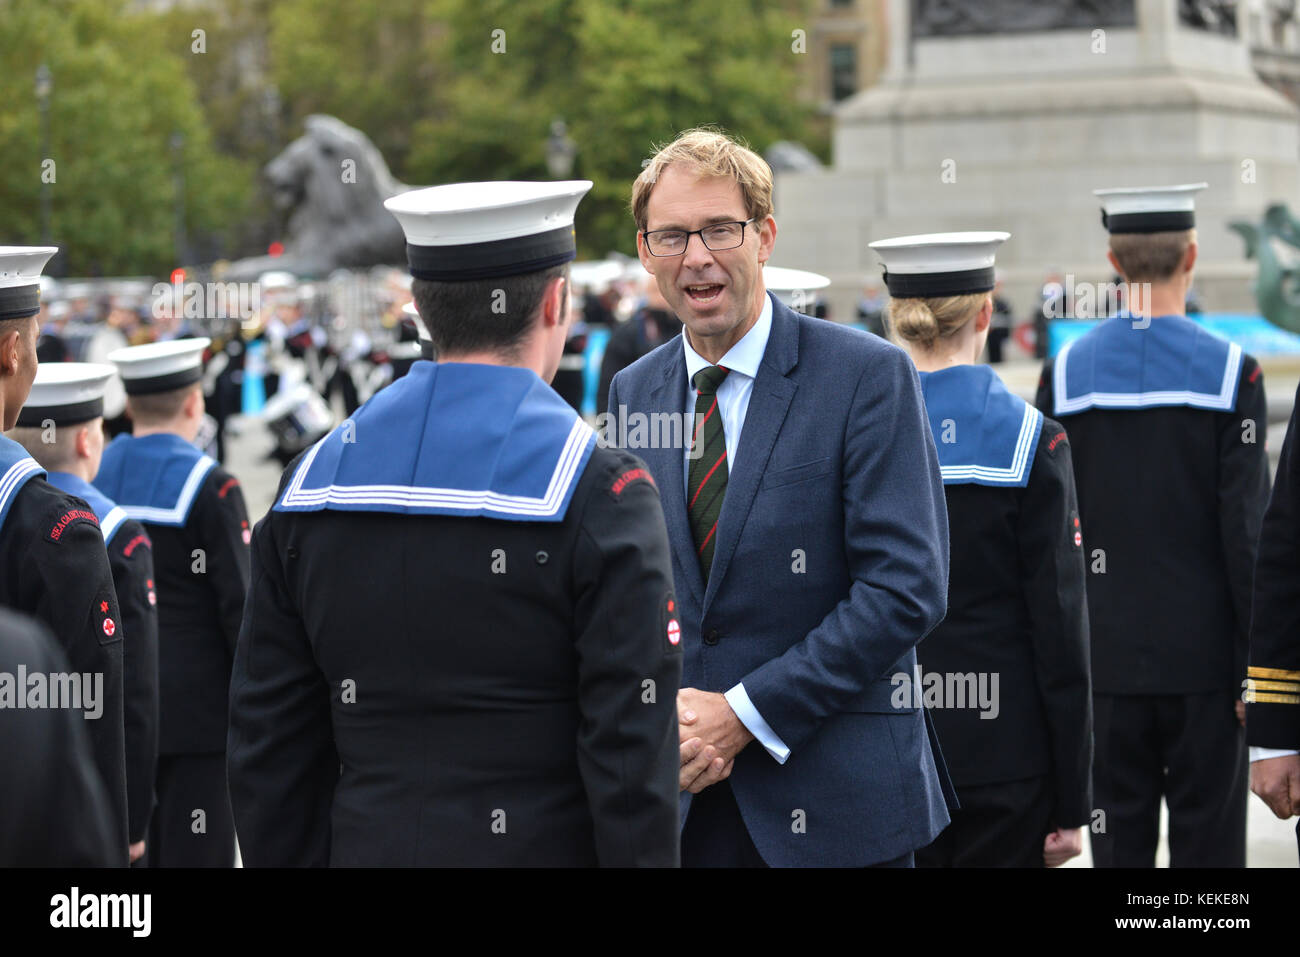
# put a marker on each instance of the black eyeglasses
(717, 237)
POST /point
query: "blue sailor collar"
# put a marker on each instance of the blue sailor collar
(1171, 362)
(154, 478)
(450, 439)
(17, 468)
(110, 515)
(985, 434)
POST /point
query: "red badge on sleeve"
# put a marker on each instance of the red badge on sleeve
(109, 627)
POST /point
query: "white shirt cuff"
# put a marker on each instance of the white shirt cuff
(1261, 754)
(738, 698)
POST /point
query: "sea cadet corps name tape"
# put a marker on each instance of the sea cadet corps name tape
(75, 515)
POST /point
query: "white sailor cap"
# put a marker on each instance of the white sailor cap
(20, 279)
(160, 366)
(1149, 209)
(785, 283)
(468, 231)
(67, 393)
(939, 264)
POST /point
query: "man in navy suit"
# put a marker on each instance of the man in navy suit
(809, 539)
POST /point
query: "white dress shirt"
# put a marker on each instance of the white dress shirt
(742, 360)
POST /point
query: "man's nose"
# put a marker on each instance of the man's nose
(697, 254)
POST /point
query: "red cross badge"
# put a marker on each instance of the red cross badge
(674, 631)
(109, 627)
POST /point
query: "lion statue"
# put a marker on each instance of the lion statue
(331, 182)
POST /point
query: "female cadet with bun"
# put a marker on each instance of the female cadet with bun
(1006, 675)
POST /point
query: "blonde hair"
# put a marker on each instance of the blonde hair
(925, 321)
(1151, 257)
(709, 152)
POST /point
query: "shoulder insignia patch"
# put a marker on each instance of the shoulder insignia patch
(226, 487)
(68, 518)
(1057, 439)
(1254, 374)
(629, 477)
(135, 543)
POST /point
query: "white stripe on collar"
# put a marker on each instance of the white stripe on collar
(1014, 473)
(462, 500)
(176, 514)
(1221, 402)
(13, 478)
(115, 517)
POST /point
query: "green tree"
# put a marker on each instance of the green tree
(624, 75)
(120, 93)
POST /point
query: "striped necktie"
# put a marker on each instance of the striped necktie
(707, 480)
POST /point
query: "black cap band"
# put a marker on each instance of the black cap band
(501, 257)
(1167, 221)
(36, 416)
(163, 383)
(931, 284)
(19, 302)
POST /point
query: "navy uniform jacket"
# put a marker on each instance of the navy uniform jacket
(1168, 426)
(835, 463)
(193, 512)
(1017, 607)
(53, 567)
(461, 643)
(54, 808)
(131, 559)
(1273, 695)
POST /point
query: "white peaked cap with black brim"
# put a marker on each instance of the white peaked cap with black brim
(160, 366)
(1149, 209)
(939, 264)
(468, 231)
(20, 279)
(66, 393)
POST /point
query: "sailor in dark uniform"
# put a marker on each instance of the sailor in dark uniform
(53, 565)
(1167, 422)
(193, 512)
(54, 810)
(462, 645)
(1272, 693)
(62, 428)
(1018, 738)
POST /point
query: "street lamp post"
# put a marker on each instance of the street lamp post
(44, 85)
(560, 150)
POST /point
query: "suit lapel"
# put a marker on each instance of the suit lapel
(666, 465)
(768, 404)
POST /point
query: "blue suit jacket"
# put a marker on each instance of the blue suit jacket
(831, 564)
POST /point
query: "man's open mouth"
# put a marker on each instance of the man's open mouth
(703, 293)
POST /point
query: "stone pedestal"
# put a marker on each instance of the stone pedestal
(1014, 130)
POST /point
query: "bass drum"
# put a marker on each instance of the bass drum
(298, 418)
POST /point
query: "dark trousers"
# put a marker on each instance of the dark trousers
(997, 825)
(187, 783)
(1188, 748)
(715, 834)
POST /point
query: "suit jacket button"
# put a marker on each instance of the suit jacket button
(711, 637)
(542, 558)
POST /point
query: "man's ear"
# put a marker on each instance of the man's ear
(9, 344)
(766, 238)
(553, 302)
(642, 253)
(194, 404)
(81, 444)
(1189, 257)
(1114, 264)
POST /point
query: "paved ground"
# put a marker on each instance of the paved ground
(1271, 843)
